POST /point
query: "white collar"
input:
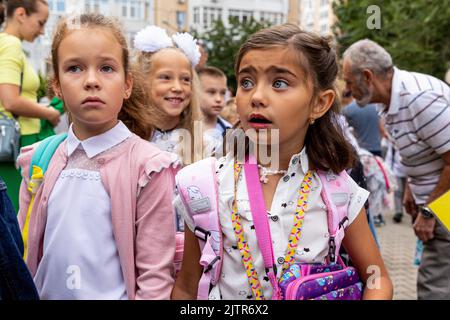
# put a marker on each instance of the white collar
(98, 144)
(396, 90)
(299, 161)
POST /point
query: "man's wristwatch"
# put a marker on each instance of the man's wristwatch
(425, 212)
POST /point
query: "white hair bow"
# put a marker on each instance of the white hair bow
(153, 38)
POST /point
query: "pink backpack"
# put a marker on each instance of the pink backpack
(198, 189)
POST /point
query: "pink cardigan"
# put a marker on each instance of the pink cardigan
(139, 179)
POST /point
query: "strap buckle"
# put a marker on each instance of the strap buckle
(201, 233)
(274, 268)
(332, 249)
(211, 264)
(341, 224)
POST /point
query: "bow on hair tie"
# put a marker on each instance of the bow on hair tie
(153, 38)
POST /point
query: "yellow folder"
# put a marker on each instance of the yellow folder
(441, 209)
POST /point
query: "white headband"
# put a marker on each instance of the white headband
(153, 38)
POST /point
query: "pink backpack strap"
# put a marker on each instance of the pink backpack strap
(336, 196)
(262, 228)
(197, 186)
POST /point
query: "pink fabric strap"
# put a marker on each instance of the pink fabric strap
(335, 195)
(262, 229)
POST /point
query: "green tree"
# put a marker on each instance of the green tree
(414, 32)
(224, 41)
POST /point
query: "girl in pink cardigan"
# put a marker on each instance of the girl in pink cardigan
(102, 223)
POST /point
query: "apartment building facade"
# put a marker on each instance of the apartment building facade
(185, 15)
(133, 14)
(203, 13)
(316, 15)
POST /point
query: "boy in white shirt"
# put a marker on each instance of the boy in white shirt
(212, 101)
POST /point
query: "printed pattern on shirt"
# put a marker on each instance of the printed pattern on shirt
(312, 245)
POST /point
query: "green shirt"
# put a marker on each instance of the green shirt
(12, 62)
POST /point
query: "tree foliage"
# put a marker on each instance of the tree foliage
(224, 41)
(416, 32)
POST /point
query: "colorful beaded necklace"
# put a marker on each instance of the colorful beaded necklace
(294, 236)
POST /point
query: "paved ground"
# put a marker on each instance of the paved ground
(398, 244)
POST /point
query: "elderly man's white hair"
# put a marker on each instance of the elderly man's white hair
(367, 54)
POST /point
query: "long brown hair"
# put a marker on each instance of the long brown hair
(325, 143)
(133, 114)
(7, 11)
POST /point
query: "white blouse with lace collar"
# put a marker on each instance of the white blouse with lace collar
(80, 258)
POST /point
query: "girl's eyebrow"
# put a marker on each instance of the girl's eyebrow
(278, 70)
(79, 60)
(249, 69)
(271, 69)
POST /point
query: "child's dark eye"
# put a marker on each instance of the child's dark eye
(74, 69)
(246, 84)
(107, 69)
(164, 77)
(187, 79)
(280, 84)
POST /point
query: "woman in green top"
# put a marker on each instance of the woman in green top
(19, 83)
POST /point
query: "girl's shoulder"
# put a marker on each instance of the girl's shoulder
(24, 158)
(27, 152)
(148, 155)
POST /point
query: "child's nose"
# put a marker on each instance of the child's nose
(91, 80)
(176, 86)
(259, 97)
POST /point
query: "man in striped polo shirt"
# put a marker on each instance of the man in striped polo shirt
(416, 112)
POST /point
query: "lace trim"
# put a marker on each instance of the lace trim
(80, 174)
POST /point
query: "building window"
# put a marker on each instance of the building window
(210, 15)
(128, 9)
(234, 13)
(181, 19)
(205, 17)
(135, 13)
(96, 6)
(124, 9)
(246, 16)
(60, 6)
(196, 15)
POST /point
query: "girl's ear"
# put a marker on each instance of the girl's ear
(57, 89)
(128, 86)
(323, 104)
